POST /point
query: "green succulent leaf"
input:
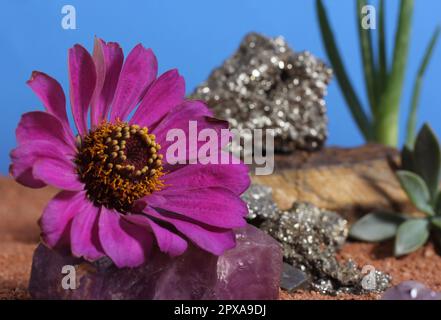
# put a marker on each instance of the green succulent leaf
(367, 55)
(407, 161)
(411, 235)
(376, 226)
(358, 113)
(427, 155)
(382, 55)
(412, 118)
(386, 125)
(416, 190)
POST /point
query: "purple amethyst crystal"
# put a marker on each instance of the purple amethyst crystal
(410, 290)
(249, 271)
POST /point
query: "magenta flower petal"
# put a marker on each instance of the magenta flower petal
(82, 79)
(27, 154)
(138, 72)
(57, 217)
(127, 244)
(42, 126)
(57, 173)
(125, 190)
(84, 236)
(165, 93)
(197, 154)
(214, 206)
(26, 178)
(231, 176)
(211, 239)
(168, 241)
(179, 118)
(108, 58)
(51, 94)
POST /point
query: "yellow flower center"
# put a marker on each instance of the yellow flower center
(119, 163)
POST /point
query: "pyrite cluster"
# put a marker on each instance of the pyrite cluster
(265, 85)
(311, 239)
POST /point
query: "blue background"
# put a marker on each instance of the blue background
(196, 36)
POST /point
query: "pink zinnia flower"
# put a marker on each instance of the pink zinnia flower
(119, 195)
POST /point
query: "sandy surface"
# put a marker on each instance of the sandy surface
(21, 207)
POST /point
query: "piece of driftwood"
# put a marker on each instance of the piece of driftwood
(349, 181)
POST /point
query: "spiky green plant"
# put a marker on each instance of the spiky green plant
(383, 80)
(420, 176)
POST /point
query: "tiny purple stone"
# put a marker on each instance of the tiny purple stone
(410, 290)
(249, 271)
